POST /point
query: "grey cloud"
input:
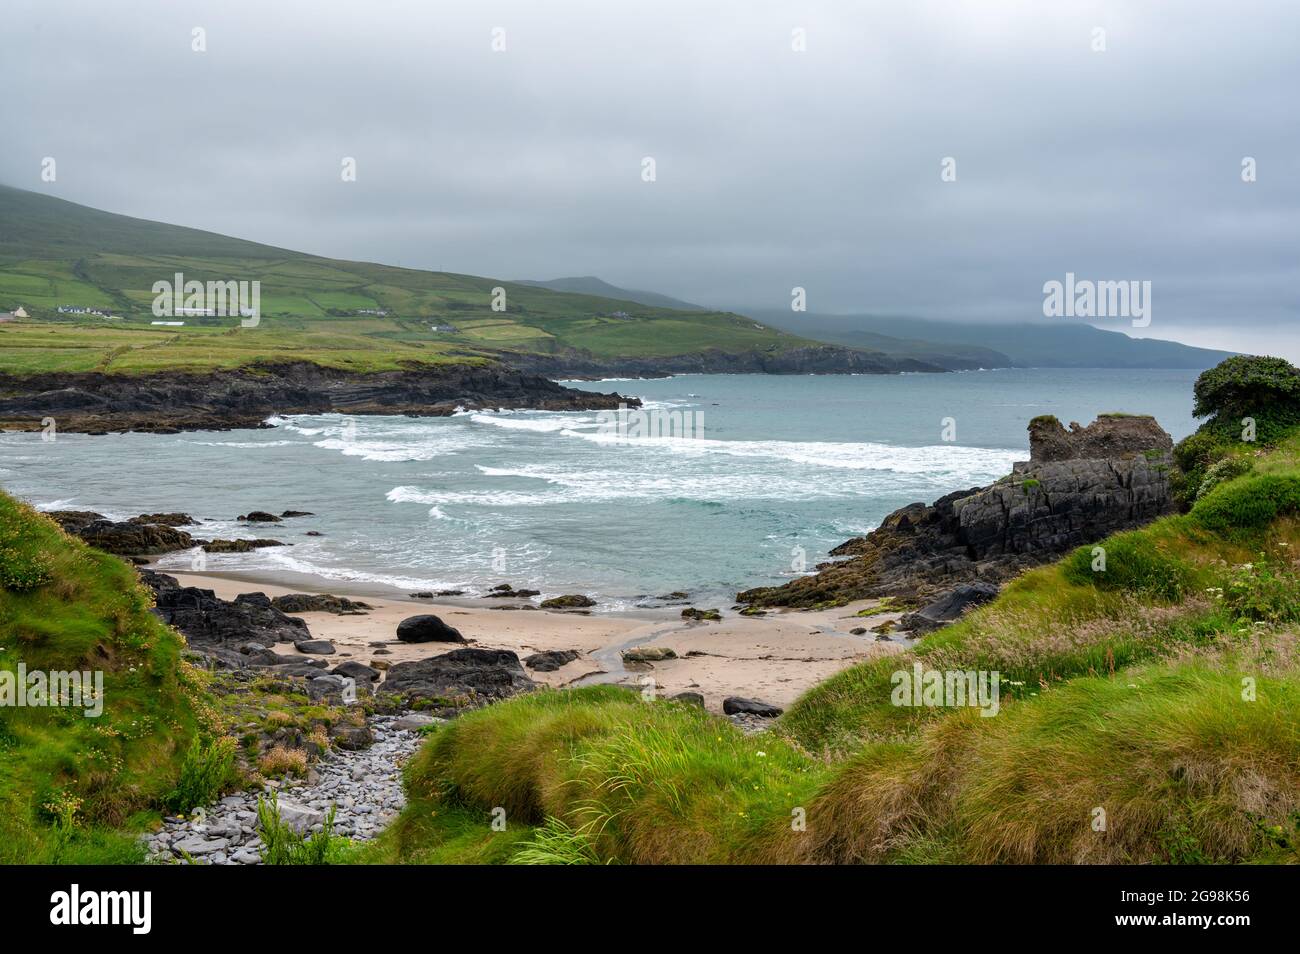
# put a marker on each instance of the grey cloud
(775, 168)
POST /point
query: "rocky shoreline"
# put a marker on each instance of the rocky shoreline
(174, 401)
(1079, 486)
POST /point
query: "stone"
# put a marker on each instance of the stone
(352, 737)
(551, 660)
(259, 516)
(297, 513)
(572, 601)
(468, 675)
(948, 607)
(646, 654)
(355, 670)
(327, 688)
(414, 721)
(301, 818)
(427, 628)
(707, 615)
(198, 846)
(733, 705)
(322, 647)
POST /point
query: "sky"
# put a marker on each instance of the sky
(932, 157)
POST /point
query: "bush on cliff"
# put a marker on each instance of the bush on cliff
(73, 786)
(1250, 403)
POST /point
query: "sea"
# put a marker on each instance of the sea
(720, 483)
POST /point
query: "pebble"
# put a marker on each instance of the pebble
(365, 786)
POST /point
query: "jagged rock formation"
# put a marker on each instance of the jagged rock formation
(1077, 487)
(136, 536)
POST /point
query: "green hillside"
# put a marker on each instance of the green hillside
(74, 788)
(1045, 343)
(56, 253)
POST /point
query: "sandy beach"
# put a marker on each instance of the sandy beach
(773, 658)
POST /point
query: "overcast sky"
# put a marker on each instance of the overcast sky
(774, 168)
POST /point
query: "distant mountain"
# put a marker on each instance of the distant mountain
(591, 285)
(1050, 343)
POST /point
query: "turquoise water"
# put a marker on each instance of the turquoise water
(776, 471)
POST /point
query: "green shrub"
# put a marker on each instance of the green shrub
(1222, 472)
(1134, 562)
(282, 845)
(1249, 503)
(1262, 592)
(206, 772)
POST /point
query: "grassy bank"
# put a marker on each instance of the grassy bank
(75, 789)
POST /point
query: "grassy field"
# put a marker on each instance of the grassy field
(1150, 714)
(74, 789)
(55, 253)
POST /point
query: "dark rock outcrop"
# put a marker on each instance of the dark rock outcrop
(571, 601)
(218, 627)
(1048, 505)
(171, 401)
(238, 546)
(319, 603)
(427, 628)
(124, 538)
(947, 607)
(459, 678)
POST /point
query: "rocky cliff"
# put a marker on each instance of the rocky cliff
(1078, 486)
(166, 402)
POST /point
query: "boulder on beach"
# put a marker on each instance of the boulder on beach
(427, 628)
(551, 660)
(706, 615)
(688, 698)
(319, 647)
(355, 670)
(460, 677)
